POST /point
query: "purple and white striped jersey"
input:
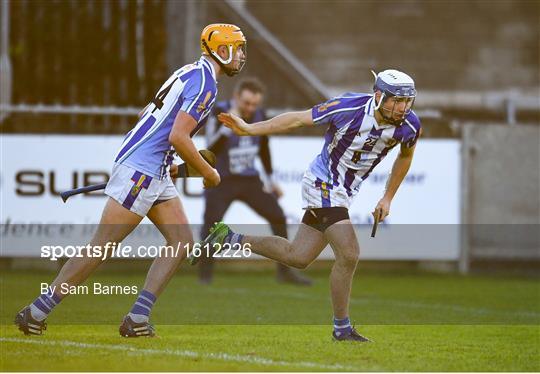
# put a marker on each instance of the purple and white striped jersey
(354, 143)
(192, 89)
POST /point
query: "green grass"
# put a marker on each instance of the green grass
(246, 322)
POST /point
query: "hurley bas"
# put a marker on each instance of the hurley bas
(95, 288)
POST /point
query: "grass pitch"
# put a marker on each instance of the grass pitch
(247, 322)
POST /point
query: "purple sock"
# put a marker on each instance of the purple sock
(140, 312)
(234, 238)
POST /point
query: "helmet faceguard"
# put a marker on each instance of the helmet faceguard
(399, 86)
(230, 36)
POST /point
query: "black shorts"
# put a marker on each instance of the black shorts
(322, 218)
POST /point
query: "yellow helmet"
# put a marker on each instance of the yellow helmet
(228, 35)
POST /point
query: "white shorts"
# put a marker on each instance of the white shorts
(318, 194)
(138, 192)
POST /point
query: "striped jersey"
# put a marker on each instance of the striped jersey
(146, 147)
(354, 144)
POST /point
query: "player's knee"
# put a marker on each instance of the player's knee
(294, 260)
(300, 262)
(349, 259)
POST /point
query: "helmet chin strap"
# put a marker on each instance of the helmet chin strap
(230, 72)
(378, 107)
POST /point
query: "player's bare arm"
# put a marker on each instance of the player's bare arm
(283, 123)
(399, 171)
(180, 139)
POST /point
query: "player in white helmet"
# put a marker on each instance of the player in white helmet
(361, 130)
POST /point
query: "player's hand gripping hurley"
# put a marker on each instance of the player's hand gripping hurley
(377, 218)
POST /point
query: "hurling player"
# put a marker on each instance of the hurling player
(360, 131)
(141, 183)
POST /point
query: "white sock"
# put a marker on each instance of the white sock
(138, 318)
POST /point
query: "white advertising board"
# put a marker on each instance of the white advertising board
(36, 168)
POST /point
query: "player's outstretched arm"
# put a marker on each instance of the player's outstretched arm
(282, 123)
(181, 140)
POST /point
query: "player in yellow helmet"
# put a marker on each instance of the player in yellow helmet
(141, 180)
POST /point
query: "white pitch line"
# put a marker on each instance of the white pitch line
(180, 353)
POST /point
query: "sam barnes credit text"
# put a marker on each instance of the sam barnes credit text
(95, 288)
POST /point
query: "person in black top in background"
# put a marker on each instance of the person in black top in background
(240, 180)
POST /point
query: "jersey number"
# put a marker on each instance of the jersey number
(370, 142)
(158, 100)
(356, 157)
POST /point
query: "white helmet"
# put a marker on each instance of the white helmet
(394, 83)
